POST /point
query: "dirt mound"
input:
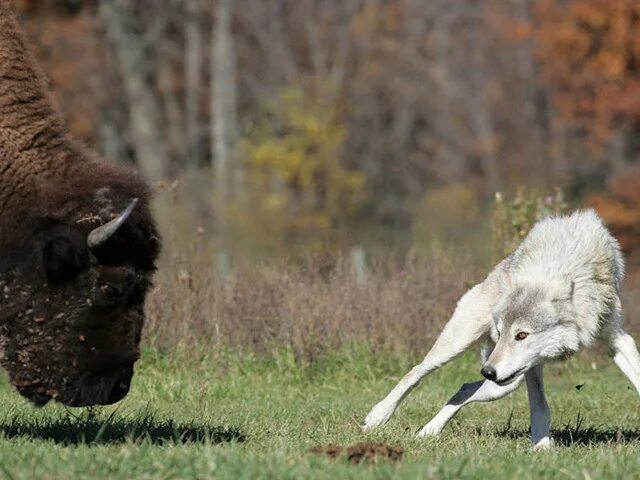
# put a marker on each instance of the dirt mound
(370, 452)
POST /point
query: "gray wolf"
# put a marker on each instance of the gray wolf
(557, 292)
(77, 250)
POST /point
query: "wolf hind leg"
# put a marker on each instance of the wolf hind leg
(538, 409)
(482, 391)
(469, 322)
(626, 356)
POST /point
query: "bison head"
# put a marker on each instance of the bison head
(75, 274)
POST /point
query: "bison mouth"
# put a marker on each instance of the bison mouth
(98, 389)
(104, 389)
(80, 361)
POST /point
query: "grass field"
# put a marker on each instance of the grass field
(226, 416)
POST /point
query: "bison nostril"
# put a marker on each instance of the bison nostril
(489, 373)
(110, 291)
(118, 392)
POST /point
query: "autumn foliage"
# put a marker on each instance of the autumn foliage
(590, 54)
(401, 117)
(68, 47)
(298, 185)
(620, 207)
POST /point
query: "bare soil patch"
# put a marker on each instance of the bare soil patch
(370, 452)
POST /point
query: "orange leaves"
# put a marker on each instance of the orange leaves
(590, 52)
(620, 208)
(521, 30)
(74, 61)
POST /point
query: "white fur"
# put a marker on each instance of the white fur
(560, 287)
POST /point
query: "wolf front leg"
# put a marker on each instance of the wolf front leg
(482, 391)
(469, 322)
(538, 409)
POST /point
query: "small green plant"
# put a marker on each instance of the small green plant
(513, 218)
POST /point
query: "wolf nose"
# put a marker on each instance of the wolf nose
(489, 373)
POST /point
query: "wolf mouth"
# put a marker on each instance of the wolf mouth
(510, 378)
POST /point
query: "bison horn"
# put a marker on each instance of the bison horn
(101, 234)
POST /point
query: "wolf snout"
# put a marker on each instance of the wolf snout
(489, 372)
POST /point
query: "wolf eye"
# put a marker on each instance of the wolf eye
(521, 335)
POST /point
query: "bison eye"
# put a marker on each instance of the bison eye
(521, 335)
(110, 292)
(63, 259)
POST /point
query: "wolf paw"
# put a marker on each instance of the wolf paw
(379, 415)
(431, 429)
(543, 444)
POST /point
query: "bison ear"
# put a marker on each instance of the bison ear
(63, 259)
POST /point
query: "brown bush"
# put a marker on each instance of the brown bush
(303, 306)
(311, 305)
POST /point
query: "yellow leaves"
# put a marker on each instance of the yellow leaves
(298, 185)
(274, 202)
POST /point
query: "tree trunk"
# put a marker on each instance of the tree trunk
(144, 111)
(224, 125)
(193, 81)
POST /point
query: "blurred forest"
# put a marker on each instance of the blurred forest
(280, 124)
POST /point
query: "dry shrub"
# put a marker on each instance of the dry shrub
(514, 217)
(310, 305)
(619, 206)
(454, 210)
(320, 303)
(305, 306)
(630, 301)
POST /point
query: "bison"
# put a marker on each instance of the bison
(78, 246)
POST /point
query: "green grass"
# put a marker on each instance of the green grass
(224, 416)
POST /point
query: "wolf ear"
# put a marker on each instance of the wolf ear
(561, 289)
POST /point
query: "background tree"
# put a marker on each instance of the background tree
(439, 103)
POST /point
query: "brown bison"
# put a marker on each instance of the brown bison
(78, 246)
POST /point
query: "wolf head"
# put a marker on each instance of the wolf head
(532, 322)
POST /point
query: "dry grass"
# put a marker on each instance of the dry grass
(309, 307)
(312, 305)
(631, 301)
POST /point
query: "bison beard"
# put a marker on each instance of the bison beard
(78, 246)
